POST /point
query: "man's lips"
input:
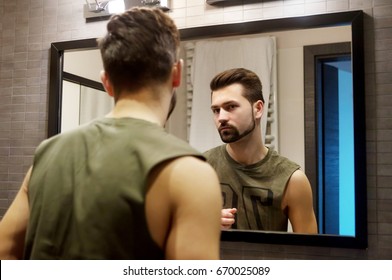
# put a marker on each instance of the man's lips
(227, 127)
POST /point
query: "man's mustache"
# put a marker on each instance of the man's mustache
(225, 126)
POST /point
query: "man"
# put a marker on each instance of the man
(121, 187)
(261, 189)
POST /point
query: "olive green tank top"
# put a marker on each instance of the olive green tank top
(255, 190)
(87, 191)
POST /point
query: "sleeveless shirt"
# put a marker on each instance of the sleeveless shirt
(256, 190)
(88, 187)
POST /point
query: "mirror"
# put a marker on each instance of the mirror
(300, 146)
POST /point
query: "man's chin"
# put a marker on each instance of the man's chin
(227, 140)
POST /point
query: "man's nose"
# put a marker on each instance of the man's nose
(223, 116)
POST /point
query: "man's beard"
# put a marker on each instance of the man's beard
(230, 134)
(173, 102)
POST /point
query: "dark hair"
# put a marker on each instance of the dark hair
(248, 79)
(140, 48)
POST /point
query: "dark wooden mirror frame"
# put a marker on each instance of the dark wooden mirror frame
(352, 18)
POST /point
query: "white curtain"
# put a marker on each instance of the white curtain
(212, 57)
(93, 104)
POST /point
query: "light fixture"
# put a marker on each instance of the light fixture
(163, 4)
(212, 2)
(101, 10)
(95, 10)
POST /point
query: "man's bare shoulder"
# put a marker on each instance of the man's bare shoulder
(187, 174)
(298, 188)
(299, 178)
(192, 170)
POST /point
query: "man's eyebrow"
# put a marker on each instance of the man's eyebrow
(224, 104)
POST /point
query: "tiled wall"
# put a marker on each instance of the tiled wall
(27, 27)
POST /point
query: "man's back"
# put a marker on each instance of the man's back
(94, 201)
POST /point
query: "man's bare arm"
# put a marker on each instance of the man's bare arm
(14, 224)
(299, 202)
(193, 197)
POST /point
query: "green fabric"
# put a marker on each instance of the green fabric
(87, 191)
(255, 190)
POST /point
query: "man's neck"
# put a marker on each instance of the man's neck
(248, 151)
(126, 108)
(141, 106)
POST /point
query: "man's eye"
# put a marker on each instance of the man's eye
(215, 111)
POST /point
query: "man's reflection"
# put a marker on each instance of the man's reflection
(261, 189)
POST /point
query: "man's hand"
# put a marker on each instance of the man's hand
(227, 217)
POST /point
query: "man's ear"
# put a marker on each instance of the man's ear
(106, 83)
(258, 107)
(176, 73)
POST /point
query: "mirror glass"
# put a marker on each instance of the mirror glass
(292, 125)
